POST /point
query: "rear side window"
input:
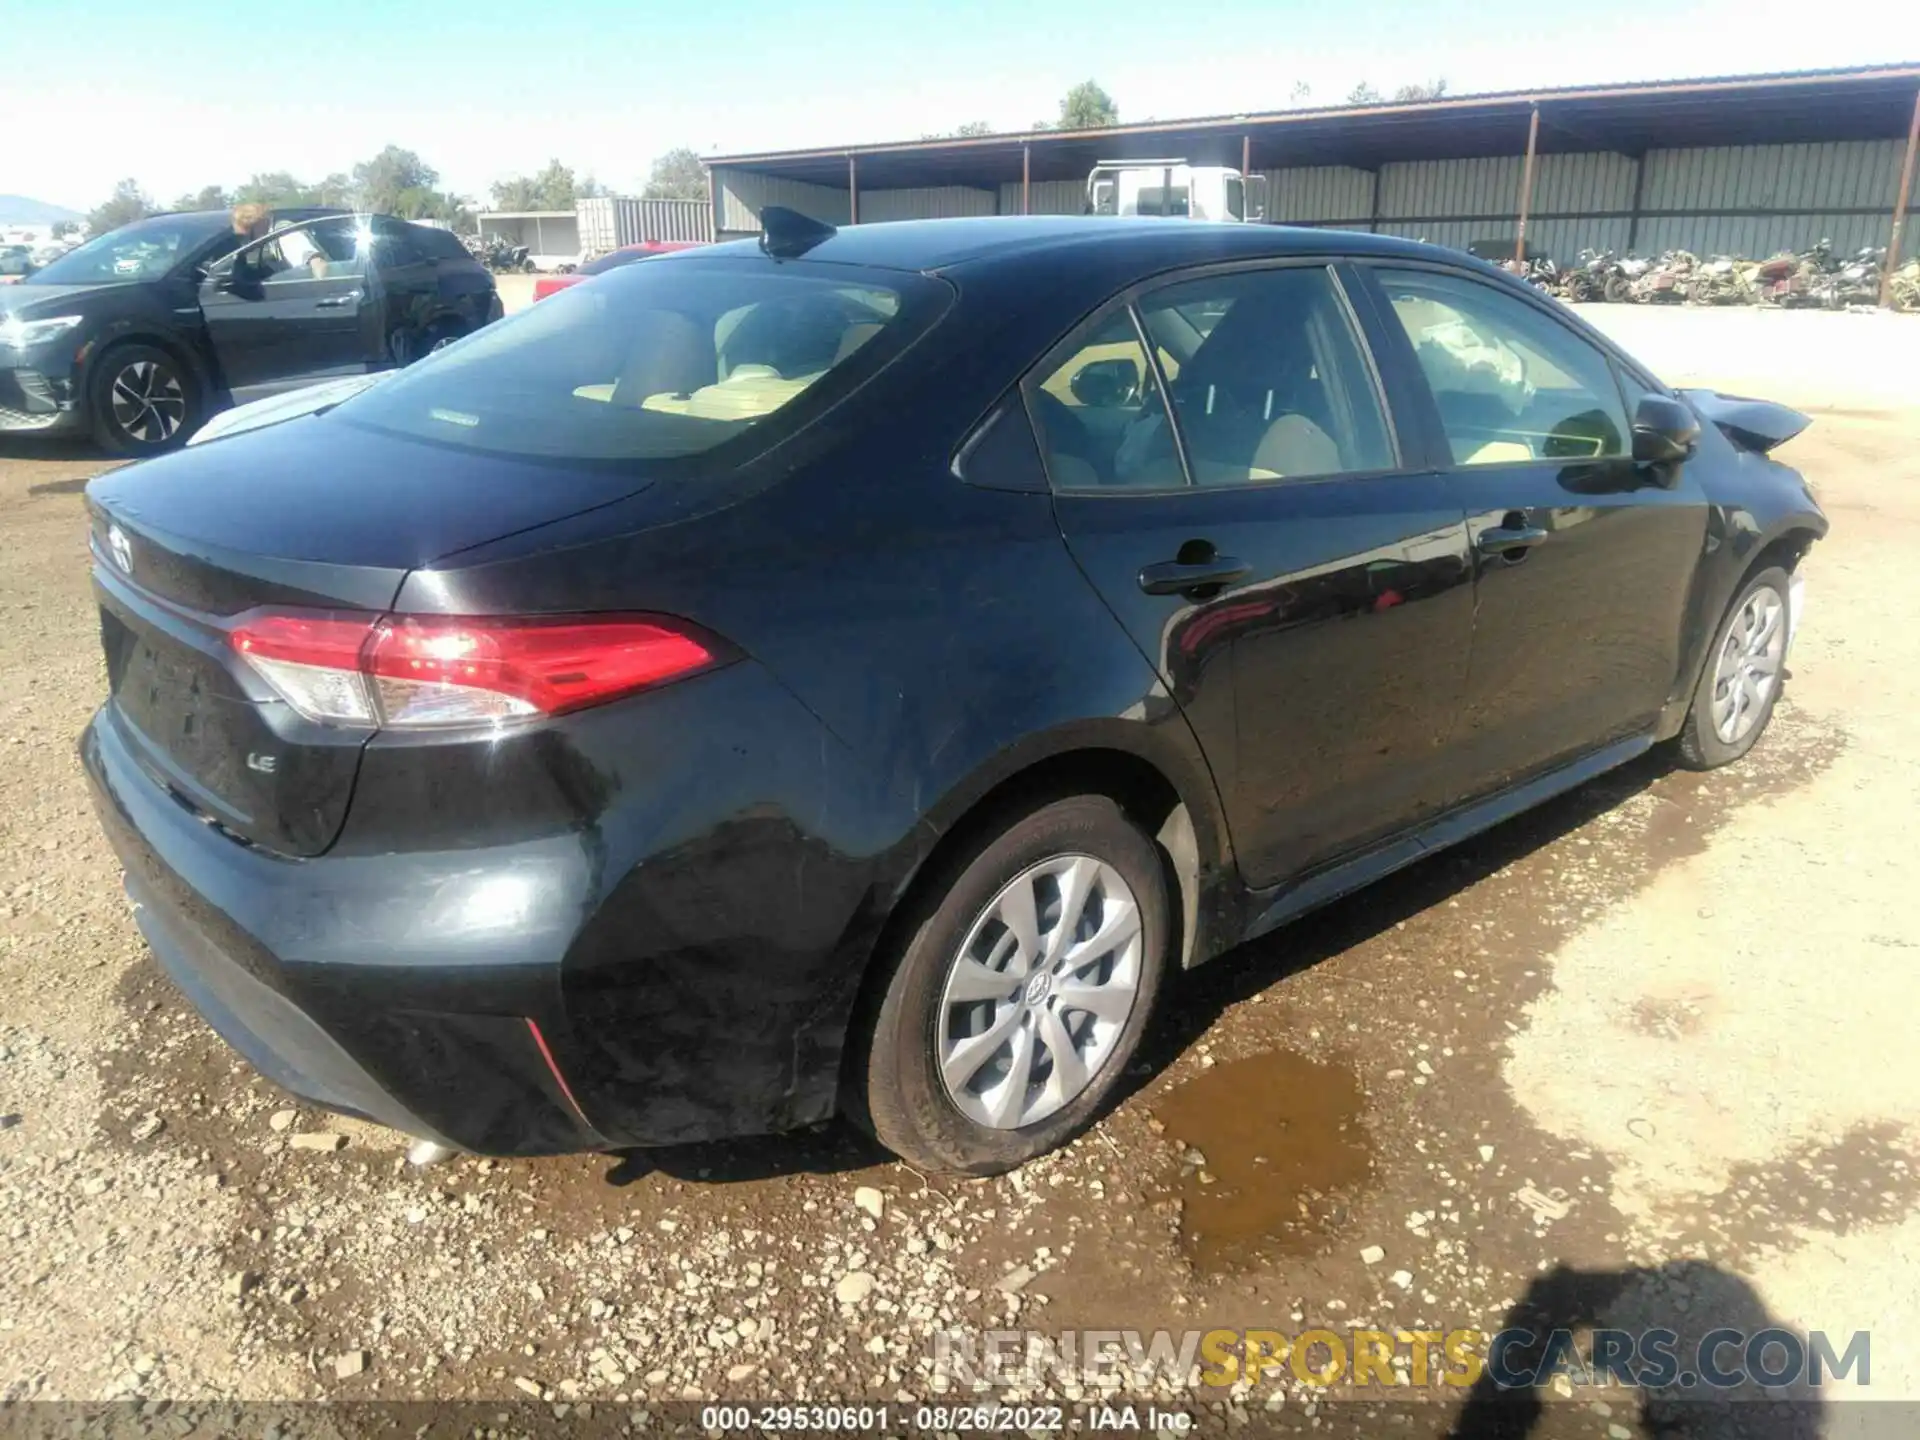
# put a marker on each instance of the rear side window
(660, 362)
(1264, 372)
(439, 244)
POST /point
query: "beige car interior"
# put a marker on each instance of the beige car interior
(675, 372)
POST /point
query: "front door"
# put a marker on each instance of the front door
(1303, 594)
(291, 308)
(1584, 559)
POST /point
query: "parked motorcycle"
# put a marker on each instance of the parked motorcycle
(1855, 282)
(1597, 277)
(1722, 280)
(1666, 281)
(1906, 286)
(497, 255)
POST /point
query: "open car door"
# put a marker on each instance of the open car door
(297, 306)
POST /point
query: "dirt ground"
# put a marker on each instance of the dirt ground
(1641, 1057)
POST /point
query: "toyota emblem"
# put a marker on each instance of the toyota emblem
(121, 547)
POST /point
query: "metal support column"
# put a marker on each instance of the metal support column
(1900, 205)
(1026, 178)
(853, 191)
(1373, 205)
(1633, 213)
(1526, 189)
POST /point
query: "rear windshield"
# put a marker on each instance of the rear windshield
(658, 362)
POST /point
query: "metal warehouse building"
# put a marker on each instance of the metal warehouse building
(1748, 165)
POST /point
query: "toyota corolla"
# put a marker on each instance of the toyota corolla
(859, 671)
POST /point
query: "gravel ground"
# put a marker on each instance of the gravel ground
(1640, 1057)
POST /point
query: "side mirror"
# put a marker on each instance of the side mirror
(1106, 384)
(1664, 431)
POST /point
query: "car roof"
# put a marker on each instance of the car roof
(943, 244)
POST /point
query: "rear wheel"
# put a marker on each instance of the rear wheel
(1740, 683)
(141, 401)
(1618, 290)
(1022, 993)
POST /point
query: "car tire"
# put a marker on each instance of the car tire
(1069, 1024)
(142, 400)
(1741, 680)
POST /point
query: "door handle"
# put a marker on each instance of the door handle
(338, 302)
(1174, 577)
(1509, 539)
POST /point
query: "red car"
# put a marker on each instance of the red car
(552, 284)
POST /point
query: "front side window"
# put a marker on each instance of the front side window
(1512, 385)
(321, 250)
(658, 362)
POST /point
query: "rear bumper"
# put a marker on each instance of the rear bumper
(322, 993)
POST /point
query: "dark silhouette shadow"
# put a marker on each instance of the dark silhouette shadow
(1690, 1299)
(50, 447)
(829, 1149)
(1196, 1000)
(71, 486)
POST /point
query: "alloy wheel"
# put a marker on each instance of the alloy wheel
(149, 403)
(1040, 991)
(1748, 668)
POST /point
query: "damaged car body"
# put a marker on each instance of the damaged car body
(856, 672)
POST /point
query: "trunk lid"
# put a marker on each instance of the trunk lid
(1755, 425)
(308, 515)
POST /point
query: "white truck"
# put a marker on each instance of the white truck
(1175, 188)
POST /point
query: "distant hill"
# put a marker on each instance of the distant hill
(20, 210)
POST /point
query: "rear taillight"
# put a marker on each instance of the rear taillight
(419, 671)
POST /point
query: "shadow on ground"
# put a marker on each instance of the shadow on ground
(1668, 1329)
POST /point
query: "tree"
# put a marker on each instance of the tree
(210, 197)
(273, 188)
(972, 128)
(677, 175)
(379, 183)
(1364, 94)
(1087, 107)
(515, 194)
(63, 228)
(127, 204)
(1300, 94)
(554, 188)
(336, 189)
(1432, 90)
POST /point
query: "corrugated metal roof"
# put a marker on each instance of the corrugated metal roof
(1810, 106)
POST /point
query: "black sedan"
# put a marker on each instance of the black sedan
(136, 336)
(858, 671)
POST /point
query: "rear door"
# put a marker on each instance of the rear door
(1235, 492)
(292, 308)
(1583, 559)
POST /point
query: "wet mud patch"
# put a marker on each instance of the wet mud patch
(1272, 1152)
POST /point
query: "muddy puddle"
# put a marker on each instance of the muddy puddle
(1272, 1151)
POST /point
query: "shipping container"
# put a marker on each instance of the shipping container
(608, 222)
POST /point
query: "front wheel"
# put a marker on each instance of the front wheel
(141, 401)
(1021, 995)
(1740, 683)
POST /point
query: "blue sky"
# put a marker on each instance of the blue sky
(184, 93)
